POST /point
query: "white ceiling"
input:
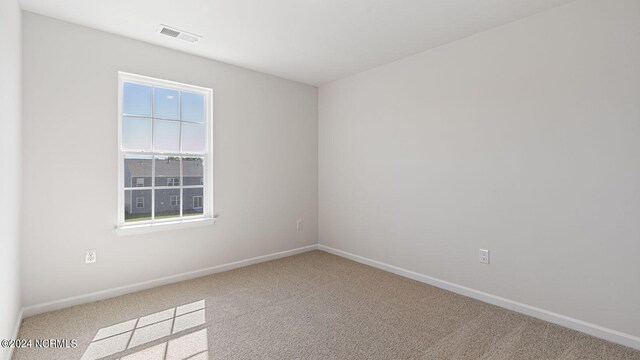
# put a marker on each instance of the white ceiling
(312, 41)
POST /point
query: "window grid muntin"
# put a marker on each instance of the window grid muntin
(153, 158)
(181, 178)
(205, 183)
(159, 118)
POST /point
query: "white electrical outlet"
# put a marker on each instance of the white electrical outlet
(484, 256)
(90, 257)
(299, 224)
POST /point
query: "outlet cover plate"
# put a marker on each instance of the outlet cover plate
(484, 256)
(90, 257)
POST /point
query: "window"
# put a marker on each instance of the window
(197, 202)
(173, 182)
(164, 151)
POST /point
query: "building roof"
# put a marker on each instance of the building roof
(164, 168)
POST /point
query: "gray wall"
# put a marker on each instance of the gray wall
(265, 163)
(10, 179)
(524, 140)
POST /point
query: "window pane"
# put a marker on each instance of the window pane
(166, 104)
(192, 107)
(136, 134)
(137, 205)
(165, 207)
(193, 138)
(192, 171)
(166, 135)
(137, 170)
(136, 99)
(193, 202)
(167, 171)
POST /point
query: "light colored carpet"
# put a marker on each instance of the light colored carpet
(309, 306)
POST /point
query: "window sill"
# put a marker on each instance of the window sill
(132, 229)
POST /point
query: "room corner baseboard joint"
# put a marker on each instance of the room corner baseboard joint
(16, 331)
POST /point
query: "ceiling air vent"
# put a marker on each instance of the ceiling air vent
(179, 34)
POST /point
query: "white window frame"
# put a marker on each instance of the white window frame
(138, 182)
(207, 217)
(171, 182)
(138, 198)
(194, 202)
(176, 202)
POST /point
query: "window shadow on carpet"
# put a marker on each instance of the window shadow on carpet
(137, 332)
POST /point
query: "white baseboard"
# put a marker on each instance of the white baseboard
(109, 293)
(16, 330)
(562, 320)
